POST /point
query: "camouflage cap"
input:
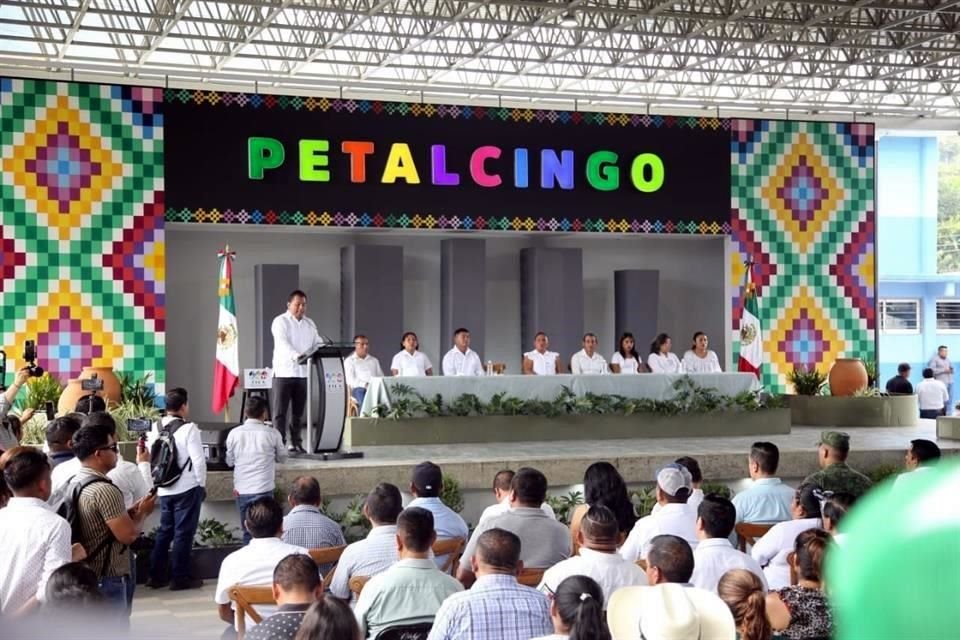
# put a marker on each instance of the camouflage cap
(835, 440)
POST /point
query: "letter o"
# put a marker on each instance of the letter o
(637, 170)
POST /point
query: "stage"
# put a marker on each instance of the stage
(723, 458)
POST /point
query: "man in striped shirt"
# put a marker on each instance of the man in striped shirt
(496, 607)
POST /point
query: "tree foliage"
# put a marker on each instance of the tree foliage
(948, 205)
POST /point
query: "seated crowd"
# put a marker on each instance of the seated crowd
(686, 570)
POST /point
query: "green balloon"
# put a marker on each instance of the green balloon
(897, 573)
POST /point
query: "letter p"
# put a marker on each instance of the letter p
(263, 154)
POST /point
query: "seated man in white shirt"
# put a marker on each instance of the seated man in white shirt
(359, 367)
(587, 360)
(669, 560)
(254, 564)
(715, 555)
(502, 492)
(922, 456)
(378, 551)
(598, 559)
(541, 361)
(675, 517)
(425, 486)
(461, 360)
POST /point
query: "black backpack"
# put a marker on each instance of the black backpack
(163, 456)
(66, 501)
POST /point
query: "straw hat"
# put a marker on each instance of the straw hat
(669, 612)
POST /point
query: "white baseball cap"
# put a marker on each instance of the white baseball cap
(674, 477)
(669, 612)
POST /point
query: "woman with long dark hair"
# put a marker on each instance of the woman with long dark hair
(772, 549)
(604, 486)
(410, 361)
(743, 592)
(329, 618)
(577, 611)
(626, 359)
(801, 610)
(661, 360)
(700, 359)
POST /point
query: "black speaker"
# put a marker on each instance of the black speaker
(213, 435)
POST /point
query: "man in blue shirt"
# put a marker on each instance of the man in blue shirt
(768, 499)
(426, 484)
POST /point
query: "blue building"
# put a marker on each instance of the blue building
(918, 308)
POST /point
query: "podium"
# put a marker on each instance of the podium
(325, 364)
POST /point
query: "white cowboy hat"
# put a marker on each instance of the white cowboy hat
(669, 612)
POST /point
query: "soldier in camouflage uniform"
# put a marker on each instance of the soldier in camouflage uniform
(835, 475)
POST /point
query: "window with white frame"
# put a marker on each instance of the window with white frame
(948, 315)
(899, 316)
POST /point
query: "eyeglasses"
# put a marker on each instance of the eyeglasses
(110, 447)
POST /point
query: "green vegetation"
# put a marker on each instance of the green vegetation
(806, 381)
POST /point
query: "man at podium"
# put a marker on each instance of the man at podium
(293, 335)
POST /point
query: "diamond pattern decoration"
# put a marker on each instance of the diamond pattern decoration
(803, 336)
(10, 258)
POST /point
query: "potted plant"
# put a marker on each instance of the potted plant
(564, 506)
(214, 542)
(806, 381)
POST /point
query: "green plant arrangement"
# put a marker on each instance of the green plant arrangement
(806, 381)
(137, 390)
(880, 473)
(716, 488)
(643, 500)
(450, 494)
(871, 366)
(354, 524)
(35, 430)
(213, 533)
(867, 392)
(564, 506)
(40, 391)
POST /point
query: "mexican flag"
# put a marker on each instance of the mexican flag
(751, 338)
(226, 370)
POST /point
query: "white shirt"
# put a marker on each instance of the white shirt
(544, 364)
(410, 365)
(189, 447)
(932, 395)
(358, 371)
(503, 506)
(253, 565)
(581, 363)
(133, 480)
(291, 339)
(693, 502)
(772, 549)
(713, 557)
(459, 363)
(692, 363)
(610, 571)
(673, 518)
(908, 477)
(34, 542)
(62, 473)
(253, 450)
(368, 557)
(627, 365)
(660, 363)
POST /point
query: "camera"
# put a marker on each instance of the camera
(30, 357)
(93, 383)
(139, 425)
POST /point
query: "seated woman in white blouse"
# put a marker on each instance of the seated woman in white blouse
(699, 359)
(661, 360)
(410, 362)
(626, 359)
(587, 360)
(540, 361)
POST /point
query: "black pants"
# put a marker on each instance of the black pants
(930, 413)
(289, 391)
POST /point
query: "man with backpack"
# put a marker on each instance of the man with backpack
(180, 474)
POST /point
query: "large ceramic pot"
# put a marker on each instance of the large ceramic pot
(847, 376)
(111, 388)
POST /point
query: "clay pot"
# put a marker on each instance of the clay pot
(73, 392)
(847, 376)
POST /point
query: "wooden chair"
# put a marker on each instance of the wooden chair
(244, 597)
(327, 555)
(406, 632)
(353, 407)
(357, 583)
(453, 549)
(530, 577)
(749, 532)
(642, 564)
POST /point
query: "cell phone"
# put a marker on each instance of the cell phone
(49, 409)
(138, 425)
(153, 491)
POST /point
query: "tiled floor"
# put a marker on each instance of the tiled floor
(181, 614)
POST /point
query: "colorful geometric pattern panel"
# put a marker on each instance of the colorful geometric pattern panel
(81, 226)
(803, 211)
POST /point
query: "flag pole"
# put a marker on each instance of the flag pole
(226, 407)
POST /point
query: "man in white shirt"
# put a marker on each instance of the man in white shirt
(674, 487)
(587, 360)
(943, 371)
(181, 499)
(598, 559)
(34, 541)
(541, 361)
(715, 555)
(922, 455)
(378, 551)
(768, 499)
(461, 360)
(359, 367)
(932, 396)
(669, 560)
(502, 491)
(294, 334)
(253, 450)
(425, 486)
(254, 564)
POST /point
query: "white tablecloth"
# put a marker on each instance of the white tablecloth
(651, 386)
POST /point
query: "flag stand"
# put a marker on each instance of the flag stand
(226, 374)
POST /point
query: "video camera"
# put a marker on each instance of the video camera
(93, 384)
(30, 357)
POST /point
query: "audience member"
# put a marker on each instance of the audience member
(833, 508)
(899, 385)
(597, 538)
(329, 619)
(577, 610)
(378, 551)
(772, 549)
(461, 360)
(800, 611)
(9, 395)
(360, 367)
(696, 476)
(296, 586)
(932, 396)
(255, 563)
(59, 435)
(91, 403)
(34, 541)
(920, 457)
(714, 555)
(767, 500)
(412, 590)
(306, 525)
(669, 612)
(674, 486)
(746, 596)
(545, 542)
(603, 486)
(669, 559)
(497, 607)
(253, 450)
(541, 361)
(502, 482)
(11, 430)
(425, 486)
(180, 499)
(73, 585)
(835, 474)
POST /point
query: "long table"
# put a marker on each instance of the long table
(650, 386)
